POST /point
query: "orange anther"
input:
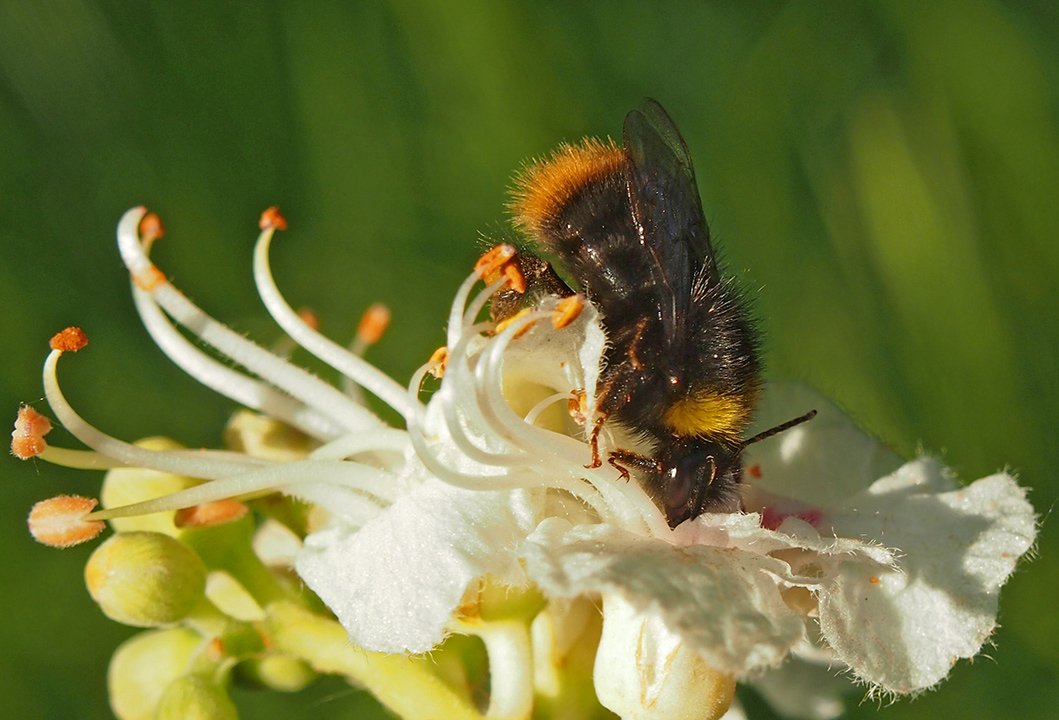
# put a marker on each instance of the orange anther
(60, 521)
(272, 218)
(508, 322)
(27, 439)
(754, 471)
(215, 649)
(492, 261)
(577, 406)
(151, 227)
(71, 339)
(149, 279)
(515, 279)
(373, 323)
(209, 514)
(873, 580)
(438, 359)
(567, 310)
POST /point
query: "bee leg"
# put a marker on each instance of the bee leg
(619, 459)
(609, 399)
(593, 440)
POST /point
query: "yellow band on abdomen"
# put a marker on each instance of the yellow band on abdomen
(709, 414)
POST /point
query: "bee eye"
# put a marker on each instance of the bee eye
(678, 485)
(685, 476)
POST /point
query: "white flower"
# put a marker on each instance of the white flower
(843, 558)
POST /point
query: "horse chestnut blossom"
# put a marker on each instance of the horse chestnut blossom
(479, 518)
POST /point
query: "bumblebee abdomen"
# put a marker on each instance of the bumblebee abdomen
(709, 414)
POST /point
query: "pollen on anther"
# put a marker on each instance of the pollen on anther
(515, 279)
(567, 310)
(60, 521)
(215, 649)
(272, 218)
(436, 364)
(577, 406)
(373, 323)
(754, 471)
(70, 339)
(209, 514)
(27, 439)
(873, 580)
(151, 228)
(149, 279)
(508, 322)
(493, 260)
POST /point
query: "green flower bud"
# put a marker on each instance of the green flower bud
(263, 437)
(144, 665)
(145, 579)
(125, 486)
(195, 697)
(283, 673)
(492, 601)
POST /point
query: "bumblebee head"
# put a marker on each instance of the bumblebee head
(697, 476)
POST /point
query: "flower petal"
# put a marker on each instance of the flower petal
(904, 629)
(819, 462)
(396, 583)
(644, 671)
(724, 602)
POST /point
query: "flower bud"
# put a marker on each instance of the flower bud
(263, 437)
(145, 579)
(125, 486)
(144, 665)
(644, 671)
(494, 601)
(195, 697)
(283, 673)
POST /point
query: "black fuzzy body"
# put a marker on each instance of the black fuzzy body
(636, 241)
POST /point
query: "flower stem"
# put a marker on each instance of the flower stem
(507, 643)
(404, 685)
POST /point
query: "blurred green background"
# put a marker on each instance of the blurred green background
(884, 176)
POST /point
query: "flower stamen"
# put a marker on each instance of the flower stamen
(64, 521)
(351, 365)
(294, 380)
(27, 439)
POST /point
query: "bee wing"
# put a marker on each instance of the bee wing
(666, 207)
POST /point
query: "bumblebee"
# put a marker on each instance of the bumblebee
(682, 364)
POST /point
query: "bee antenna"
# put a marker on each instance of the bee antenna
(782, 427)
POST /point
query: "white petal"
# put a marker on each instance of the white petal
(396, 582)
(903, 630)
(724, 602)
(819, 462)
(644, 671)
(563, 360)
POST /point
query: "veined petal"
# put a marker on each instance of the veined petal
(904, 629)
(724, 602)
(396, 583)
(644, 671)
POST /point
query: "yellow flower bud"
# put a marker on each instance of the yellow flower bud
(144, 665)
(125, 486)
(195, 697)
(284, 673)
(145, 579)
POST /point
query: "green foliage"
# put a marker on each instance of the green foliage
(882, 175)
